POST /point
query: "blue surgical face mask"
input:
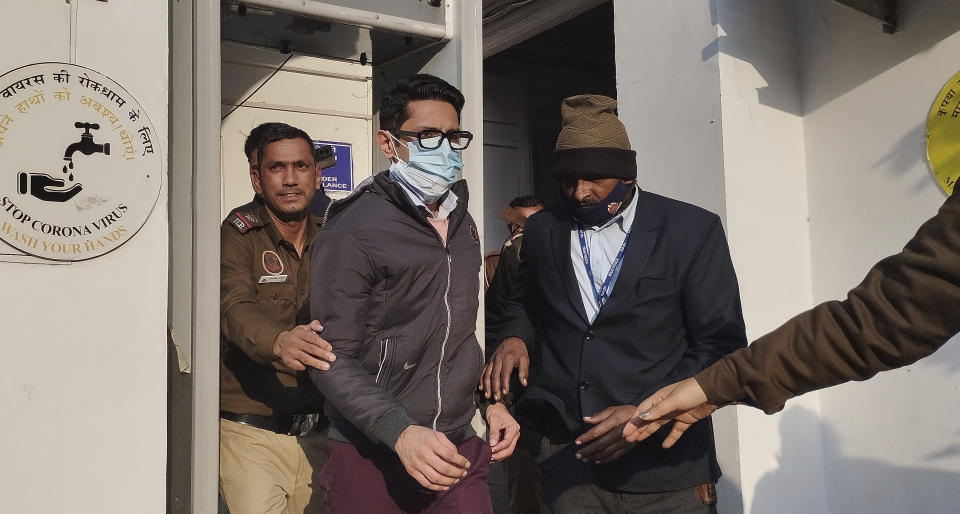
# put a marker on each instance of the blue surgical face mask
(596, 215)
(428, 173)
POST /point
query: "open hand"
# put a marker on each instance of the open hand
(510, 354)
(683, 402)
(47, 188)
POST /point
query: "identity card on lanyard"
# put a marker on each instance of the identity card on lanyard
(601, 295)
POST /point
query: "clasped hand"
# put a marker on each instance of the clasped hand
(302, 346)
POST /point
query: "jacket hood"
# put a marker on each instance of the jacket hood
(381, 184)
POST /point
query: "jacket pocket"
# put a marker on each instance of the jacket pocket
(656, 287)
(388, 350)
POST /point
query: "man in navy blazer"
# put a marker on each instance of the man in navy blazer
(621, 292)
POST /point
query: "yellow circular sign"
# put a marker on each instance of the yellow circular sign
(943, 135)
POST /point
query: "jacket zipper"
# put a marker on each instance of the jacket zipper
(446, 336)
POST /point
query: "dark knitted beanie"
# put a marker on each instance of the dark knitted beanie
(593, 143)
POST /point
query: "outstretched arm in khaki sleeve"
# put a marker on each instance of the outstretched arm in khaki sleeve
(904, 310)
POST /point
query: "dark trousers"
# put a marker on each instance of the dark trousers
(359, 479)
(522, 471)
(570, 486)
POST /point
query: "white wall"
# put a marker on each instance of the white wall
(342, 113)
(890, 444)
(84, 392)
(667, 96)
(765, 186)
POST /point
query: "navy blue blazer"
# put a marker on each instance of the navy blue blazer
(674, 310)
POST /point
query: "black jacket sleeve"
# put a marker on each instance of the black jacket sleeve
(342, 276)
(712, 313)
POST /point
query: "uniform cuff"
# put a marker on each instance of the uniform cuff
(719, 383)
(263, 340)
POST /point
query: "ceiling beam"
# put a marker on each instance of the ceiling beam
(527, 19)
(887, 11)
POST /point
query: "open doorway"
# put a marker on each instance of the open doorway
(319, 65)
(523, 88)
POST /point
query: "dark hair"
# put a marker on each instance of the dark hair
(526, 201)
(255, 136)
(267, 133)
(393, 107)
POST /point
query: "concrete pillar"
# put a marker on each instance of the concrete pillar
(709, 92)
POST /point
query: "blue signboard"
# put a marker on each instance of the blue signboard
(339, 177)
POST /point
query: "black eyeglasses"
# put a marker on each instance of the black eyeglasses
(431, 139)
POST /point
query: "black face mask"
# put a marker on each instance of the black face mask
(594, 215)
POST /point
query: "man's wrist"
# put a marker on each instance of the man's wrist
(277, 351)
(513, 340)
(493, 405)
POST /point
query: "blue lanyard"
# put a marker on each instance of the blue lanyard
(601, 295)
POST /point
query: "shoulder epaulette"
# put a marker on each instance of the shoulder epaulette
(514, 237)
(243, 221)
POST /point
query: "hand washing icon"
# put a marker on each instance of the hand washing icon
(45, 187)
(50, 189)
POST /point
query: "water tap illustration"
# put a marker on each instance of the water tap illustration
(51, 189)
(86, 146)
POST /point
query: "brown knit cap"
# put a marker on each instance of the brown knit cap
(591, 120)
(593, 143)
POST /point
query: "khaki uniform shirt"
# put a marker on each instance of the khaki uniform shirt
(263, 284)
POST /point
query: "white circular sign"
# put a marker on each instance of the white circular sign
(80, 167)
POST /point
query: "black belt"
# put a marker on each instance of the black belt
(291, 424)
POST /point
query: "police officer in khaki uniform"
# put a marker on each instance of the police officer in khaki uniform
(271, 439)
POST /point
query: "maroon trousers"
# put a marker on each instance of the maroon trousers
(360, 479)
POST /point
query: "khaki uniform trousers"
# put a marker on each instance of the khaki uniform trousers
(264, 472)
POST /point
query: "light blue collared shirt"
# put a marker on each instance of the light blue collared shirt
(603, 243)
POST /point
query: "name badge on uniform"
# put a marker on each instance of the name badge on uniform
(273, 279)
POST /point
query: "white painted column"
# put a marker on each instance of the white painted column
(668, 82)
(709, 93)
(781, 464)
(84, 389)
(668, 94)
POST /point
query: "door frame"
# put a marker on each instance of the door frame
(194, 299)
